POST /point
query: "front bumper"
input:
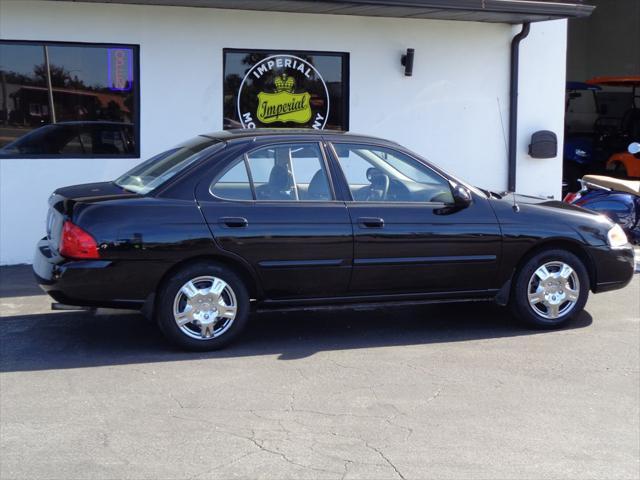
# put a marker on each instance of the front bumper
(614, 267)
(88, 283)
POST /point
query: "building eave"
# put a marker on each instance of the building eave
(498, 11)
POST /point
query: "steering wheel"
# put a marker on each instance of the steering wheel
(379, 187)
(398, 192)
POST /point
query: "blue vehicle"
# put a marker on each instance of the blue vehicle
(617, 199)
(579, 146)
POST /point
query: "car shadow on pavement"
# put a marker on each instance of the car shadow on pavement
(18, 281)
(79, 339)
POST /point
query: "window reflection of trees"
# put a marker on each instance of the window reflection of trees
(25, 98)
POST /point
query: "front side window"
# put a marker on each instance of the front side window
(68, 100)
(291, 172)
(379, 174)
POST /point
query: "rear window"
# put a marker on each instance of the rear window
(160, 168)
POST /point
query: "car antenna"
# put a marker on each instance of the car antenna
(516, 207)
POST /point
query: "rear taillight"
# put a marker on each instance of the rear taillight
(76, 243)
(571, 197)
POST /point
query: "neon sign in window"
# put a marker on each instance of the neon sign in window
(120, 69)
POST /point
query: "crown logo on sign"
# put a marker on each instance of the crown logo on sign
(285, 83)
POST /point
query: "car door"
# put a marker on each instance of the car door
(275, 207)
(408, 236)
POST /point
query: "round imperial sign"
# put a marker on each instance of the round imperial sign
(283, 91)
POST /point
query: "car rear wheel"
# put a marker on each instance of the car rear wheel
(550, 289)
(203, 307)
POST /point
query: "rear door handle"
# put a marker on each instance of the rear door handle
(234, 222)
(371, 222)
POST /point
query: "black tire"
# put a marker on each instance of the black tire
(167, 296)
(530, 314)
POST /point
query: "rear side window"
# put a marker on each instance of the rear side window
(234, 184)
(288, 172)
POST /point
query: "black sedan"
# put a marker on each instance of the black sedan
(200, 235)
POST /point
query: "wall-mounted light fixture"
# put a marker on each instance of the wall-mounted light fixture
(407, 62)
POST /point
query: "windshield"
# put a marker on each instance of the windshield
(154, 172)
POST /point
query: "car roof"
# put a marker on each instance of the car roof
(294, 133)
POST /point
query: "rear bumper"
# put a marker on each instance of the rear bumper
(614, 267)
(87, 283)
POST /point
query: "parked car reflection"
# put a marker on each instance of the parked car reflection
(75, 138)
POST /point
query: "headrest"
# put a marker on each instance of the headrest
(318, 187)
(279, 178)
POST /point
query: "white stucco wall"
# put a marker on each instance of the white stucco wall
(541, 105)
(454, 110)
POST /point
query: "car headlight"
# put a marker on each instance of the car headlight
(616, 236)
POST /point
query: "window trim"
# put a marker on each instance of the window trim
(136, 98)
(346, 74)
(352, 201)
(232, 163)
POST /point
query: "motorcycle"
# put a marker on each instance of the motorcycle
(617, 199)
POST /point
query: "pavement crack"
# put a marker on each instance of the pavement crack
(292, 400)
(175, 399)
(222, 465)
(329, 414)
(435, 395)
(284, 457)
(384, 457)
(346, 468)
(346, 367)
(409, 430)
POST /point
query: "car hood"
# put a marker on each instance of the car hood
(546, 218)
(546, 203)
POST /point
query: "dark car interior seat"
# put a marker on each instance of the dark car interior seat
(318, 187)
(278, 187)
(105, 148)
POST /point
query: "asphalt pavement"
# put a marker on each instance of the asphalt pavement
(442, 392)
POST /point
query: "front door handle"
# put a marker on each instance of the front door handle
(234, 222)
(371, 222)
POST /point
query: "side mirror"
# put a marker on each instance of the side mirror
(634, 148)
(461, 196)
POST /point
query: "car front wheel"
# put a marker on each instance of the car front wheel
(550, 289)
(203, 307)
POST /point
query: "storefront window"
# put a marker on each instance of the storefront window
(68, 100)
(286, 89)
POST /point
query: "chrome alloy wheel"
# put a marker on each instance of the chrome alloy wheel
(553, 290)
(205, 307)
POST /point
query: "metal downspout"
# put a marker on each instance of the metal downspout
(513, 105)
